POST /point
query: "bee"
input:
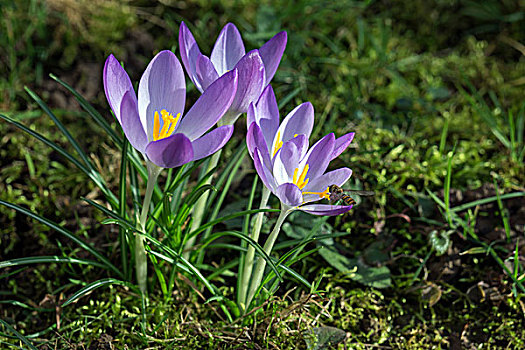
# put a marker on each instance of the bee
(337, 193)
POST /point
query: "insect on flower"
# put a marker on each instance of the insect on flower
(336, 193)
(299, 180)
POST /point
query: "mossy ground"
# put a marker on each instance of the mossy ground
(398, 74)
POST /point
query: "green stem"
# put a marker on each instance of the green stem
(250, 254)
(141, 263)
(268, 246)
(200, 206)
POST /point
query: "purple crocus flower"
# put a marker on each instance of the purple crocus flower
(256, 68)
(153, 122)
(265, 133)
(298, 180)
(287, 168)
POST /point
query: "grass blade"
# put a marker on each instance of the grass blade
(520, 125)
(248, 240)
(18, 335)
(231, 216)
(480, 106)
(27, 307)
(48, 142)
(246, 231)
(448, 181)
(306, 240)
(228, 169)
(96, 180)
(158, 272)
(84, 245)
(123, 242)
(116, 217)
(94, 285)
(90, 110)
(62, 128)
(48, 259)
(487, 200)
(178, 260)
(503, 212)
(222, 269)
(230, 175)
(289, 271)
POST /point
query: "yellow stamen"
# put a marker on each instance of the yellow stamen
(324, 194)
(156, 126)
(301, 181)
(173, 124)
(278, 144)
(303, 174)
(168, 124)
(294, 135)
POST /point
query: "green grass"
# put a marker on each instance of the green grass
(434, 92)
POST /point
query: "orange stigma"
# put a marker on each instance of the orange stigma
(324, 194)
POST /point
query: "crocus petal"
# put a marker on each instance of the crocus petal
(130, 121)
(319, 156)
(255, 139)
(285, 163)
(251, 83)
(116, 84)
(170, 152)
(271, 54)
(301, 142)
(210, 107)
(266, 114)
(263, 172)
(205, 72)
(336, 177)
(189, 53)
(228, 49)
(250, 115)
(342, 143)
(325, 209)
(289, 194)
(299, 121)
(162, 86)
(211, 142)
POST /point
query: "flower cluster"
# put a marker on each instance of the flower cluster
(232, 82)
